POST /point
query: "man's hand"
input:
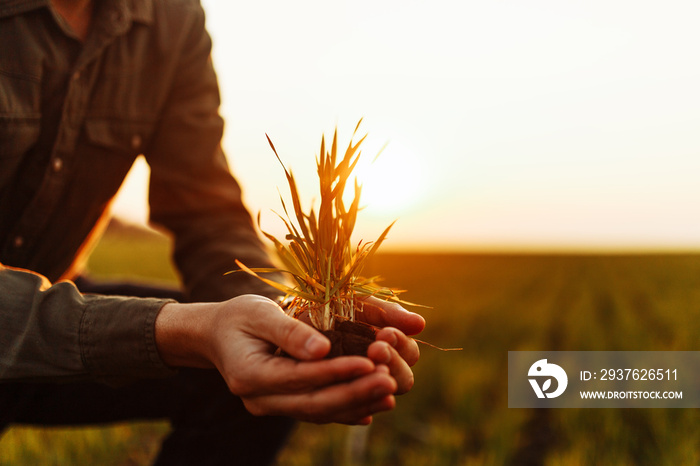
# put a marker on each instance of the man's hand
(393, 347)
(238, 337)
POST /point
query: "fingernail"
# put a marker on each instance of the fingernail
(385, 356)
(383, 369)
(394, 340)
(315, 344)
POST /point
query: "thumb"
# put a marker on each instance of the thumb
(294, 337)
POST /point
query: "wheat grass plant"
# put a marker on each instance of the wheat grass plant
(318, 252)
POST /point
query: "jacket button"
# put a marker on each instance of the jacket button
(136, 141)
(57, 164)
(18, 242)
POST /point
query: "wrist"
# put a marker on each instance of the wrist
(181, 334)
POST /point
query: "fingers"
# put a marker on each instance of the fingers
(382, 353)
(278, 375)
(405, 346)
(353, 402)
(296, 338)
(393, 347)
(385, 314)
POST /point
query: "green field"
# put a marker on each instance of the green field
(457, 413)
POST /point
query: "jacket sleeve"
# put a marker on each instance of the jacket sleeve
(192, 192)
(52, 333)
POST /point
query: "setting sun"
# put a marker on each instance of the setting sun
(392, 183)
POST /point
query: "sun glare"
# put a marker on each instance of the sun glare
(392, 184)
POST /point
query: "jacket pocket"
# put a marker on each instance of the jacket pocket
(20, 95)
(17, 136)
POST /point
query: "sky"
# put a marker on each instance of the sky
(511, 125)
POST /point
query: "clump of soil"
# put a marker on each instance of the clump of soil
(349, 339)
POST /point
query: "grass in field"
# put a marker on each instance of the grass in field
(457, 412)
(131, 444)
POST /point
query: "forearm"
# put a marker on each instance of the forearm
(192, 191)
(206, 246)
(53, 333)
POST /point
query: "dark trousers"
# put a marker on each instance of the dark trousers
(210, 426)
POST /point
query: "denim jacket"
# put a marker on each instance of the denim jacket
(141, 83)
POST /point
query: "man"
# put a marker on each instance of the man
(84, 88)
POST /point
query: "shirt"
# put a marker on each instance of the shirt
(73, 118)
